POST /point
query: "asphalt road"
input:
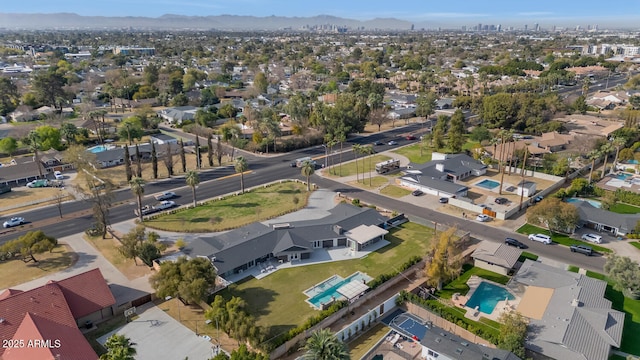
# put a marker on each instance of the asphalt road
(77, 215)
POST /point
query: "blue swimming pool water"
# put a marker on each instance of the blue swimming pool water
(486, 297)
(635, 162)
(488, 184)
(97, 149)
(623, 176)
(594, 203)
(329, 293)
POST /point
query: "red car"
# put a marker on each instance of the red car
(410, 137)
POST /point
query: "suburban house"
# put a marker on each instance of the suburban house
(569, 318)
(497, 257)
(115, 156)
(22, 170)
(53, 313)
(176, 115)
(440, 176)
(163, 139)
(439, 344)
(536, 147)
(235, 251)
(602, 220)
(402, 113)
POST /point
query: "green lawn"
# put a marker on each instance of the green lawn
(470, 144)
(364, 165)
(559, 238)
(621, 208)
(459, 285)
(277, 300)
(376, 182)
(636, 244)
(235, 211)
(395, 191)
(412, 152)
(527, 255)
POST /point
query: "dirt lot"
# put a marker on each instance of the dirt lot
(24, 198)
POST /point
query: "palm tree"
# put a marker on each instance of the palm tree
(593, 155)
(137, 187)
(341, 138)
(192, 179)
(356, 148)
(330, 143)
(618, 143)
(119, 347)
(323, 345)
(308, 168)
(34, 145)
(605, 149)
(586, 82)
(241, 166)
(368, 150)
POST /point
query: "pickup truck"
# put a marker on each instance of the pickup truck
(163, 205)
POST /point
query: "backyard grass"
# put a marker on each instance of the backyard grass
(559, 238)
(16, 272)
(235, 211)
(412, 152)
(365, 342)
(394, 191)
(376, 182)
(277, 300)
(364, 165)
(621, 208)
(635, 244)
(459, 285)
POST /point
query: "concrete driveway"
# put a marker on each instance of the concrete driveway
(159, 336)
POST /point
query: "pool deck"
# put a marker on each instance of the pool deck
(474, 314)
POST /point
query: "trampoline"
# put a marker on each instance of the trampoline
(410, 325)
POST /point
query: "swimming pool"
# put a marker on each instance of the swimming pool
(634, 162)
(327, 291)
(99, 148)
(486, 297)
(594, 203)
(488, 184)
(623, 176)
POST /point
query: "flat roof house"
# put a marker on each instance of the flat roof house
(238, 250)
(569, 318)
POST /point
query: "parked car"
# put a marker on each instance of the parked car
(537, 199)
(483, 218)
(417, 192)
(410, 137)
(165, 195)
(444, 200)
(14, 221)
(501, 200)
(514, 242)
(592, 238)
(58, 175)
(582, 249)
(545, 239)
(392, 142)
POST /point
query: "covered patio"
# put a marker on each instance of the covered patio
(364, 235)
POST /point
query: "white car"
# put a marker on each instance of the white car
(14, 221)
(167, 204)
(58, 175)
(165, 195)
(392, 142)
(592, 238)
(545, 239)
(483, 218)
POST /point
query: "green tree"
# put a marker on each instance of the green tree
(183, 159)
(191, 280)
(137, 188)
(154, 160)
(151, 74)
(8, 145)
(29, 244)
(625, 274)
(35, 145)
(555, 214)
(48, 137)
(131, 128)
(119, 347)
(308, 168)
(456, 132)
(324, 345)
(192, 179)
(241, 166)
(180, 100)
(513, 331)
(69, 132)
(426, 105)
(479, 134)
(49, 88)
(443, 259)
(10, 98)
(147, 252)
(260, 82)
(127, 163)
(498, 111)
(580, 105)
(560, 167)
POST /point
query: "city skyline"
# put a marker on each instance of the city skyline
(512, 13)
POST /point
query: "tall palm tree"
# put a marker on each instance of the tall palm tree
(137, 188)
(192, 179)
(356, 151)
(618, 143)
(331, 143)
(593, 155)
(368, 150)
(241, 166)
(119, 347)
(323, 345)
(308, 168)
(341, 138)
(34, 145)
(605, 149)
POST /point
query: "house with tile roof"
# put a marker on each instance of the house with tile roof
(569, 318)
(44, 322)
(497, 257)
(346, 226)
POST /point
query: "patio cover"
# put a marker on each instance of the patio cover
(534, 302)
(353, 289)
(365, 233)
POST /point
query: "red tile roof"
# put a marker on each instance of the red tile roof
(49, 313)
(86, 293)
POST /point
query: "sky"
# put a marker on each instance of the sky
(554, 12)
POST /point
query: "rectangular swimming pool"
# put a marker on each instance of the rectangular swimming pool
(327, 291)
(488, 184)
(486, 297)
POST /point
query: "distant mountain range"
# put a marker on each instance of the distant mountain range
(178, 22)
